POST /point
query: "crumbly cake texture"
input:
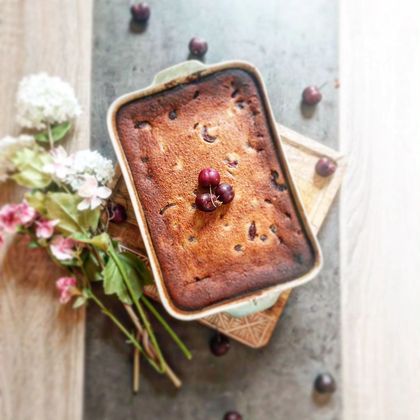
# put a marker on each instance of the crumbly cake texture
(257, 240)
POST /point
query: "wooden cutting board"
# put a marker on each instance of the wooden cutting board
(317, 194)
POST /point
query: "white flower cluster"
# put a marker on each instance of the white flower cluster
(88, 162)
(73, 169)
(8, 147)
(91, 162)
(42, 99)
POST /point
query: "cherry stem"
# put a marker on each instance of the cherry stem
(323, 85)
(215, 204)
(211, 197)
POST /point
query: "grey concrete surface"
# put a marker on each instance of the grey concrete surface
(293, 43)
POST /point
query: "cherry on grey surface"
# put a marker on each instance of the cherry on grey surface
(294, 44)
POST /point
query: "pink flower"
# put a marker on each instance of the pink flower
(26, 213)
(92, 194)
(45, 228)
(8, 218)
(61, 165)
(1, 238)
(14, 215)
(62, 248)
(66, 287)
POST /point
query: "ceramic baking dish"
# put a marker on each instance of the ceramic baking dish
(254, 301)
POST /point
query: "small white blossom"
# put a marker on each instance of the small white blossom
(8, 147)
(87, 162)
(92, 193)
(43, 99)
(62, 164)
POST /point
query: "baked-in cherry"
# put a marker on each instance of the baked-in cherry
(209, 177)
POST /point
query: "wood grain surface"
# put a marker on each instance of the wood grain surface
(41, 343)
(317, 195)
(380, 209)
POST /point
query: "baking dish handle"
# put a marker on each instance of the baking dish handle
(179, 70)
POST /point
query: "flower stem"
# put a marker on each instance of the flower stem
(140, 331)
(97, 257)
(50, 137)
(136, 368)
(168, 329)
(142, 314)
(130, 336)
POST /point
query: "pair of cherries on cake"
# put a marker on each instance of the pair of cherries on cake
(218, 193)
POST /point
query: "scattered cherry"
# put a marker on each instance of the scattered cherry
(325, 383)
(224, 193)
(117, 213)
(198, 46)
(209, 177)
(206, 202)
(219, 345)
(232, 415)
(325, 167)
(140, 12)
(311, 95)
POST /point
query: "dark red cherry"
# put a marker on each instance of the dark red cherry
(325, 167)
(140, 12)
(232, 415)
(206, 202)
(219, 344)
(325, 383)
(198, 46)
(209, 177)
(224, 193)
(311, 95)
(117, 213)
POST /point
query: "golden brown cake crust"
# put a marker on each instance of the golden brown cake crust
(257, 240)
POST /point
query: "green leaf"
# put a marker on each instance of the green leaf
(101, 241)
(69, 263)
(29, 165)
(140, 267)
(114, 282)
(33, 245)
(63, 206)
(89, 219)
(87, 293)
(80, 301)
(36, 199)
(91, 267)
(58, 132)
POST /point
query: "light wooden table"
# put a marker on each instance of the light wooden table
(380, 207)
(41, 343)
(41, 371)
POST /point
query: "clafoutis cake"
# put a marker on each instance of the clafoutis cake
(255, 241)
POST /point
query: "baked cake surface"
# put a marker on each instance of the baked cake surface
(257, 240)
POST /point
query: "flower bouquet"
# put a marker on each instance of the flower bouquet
(65, 212)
